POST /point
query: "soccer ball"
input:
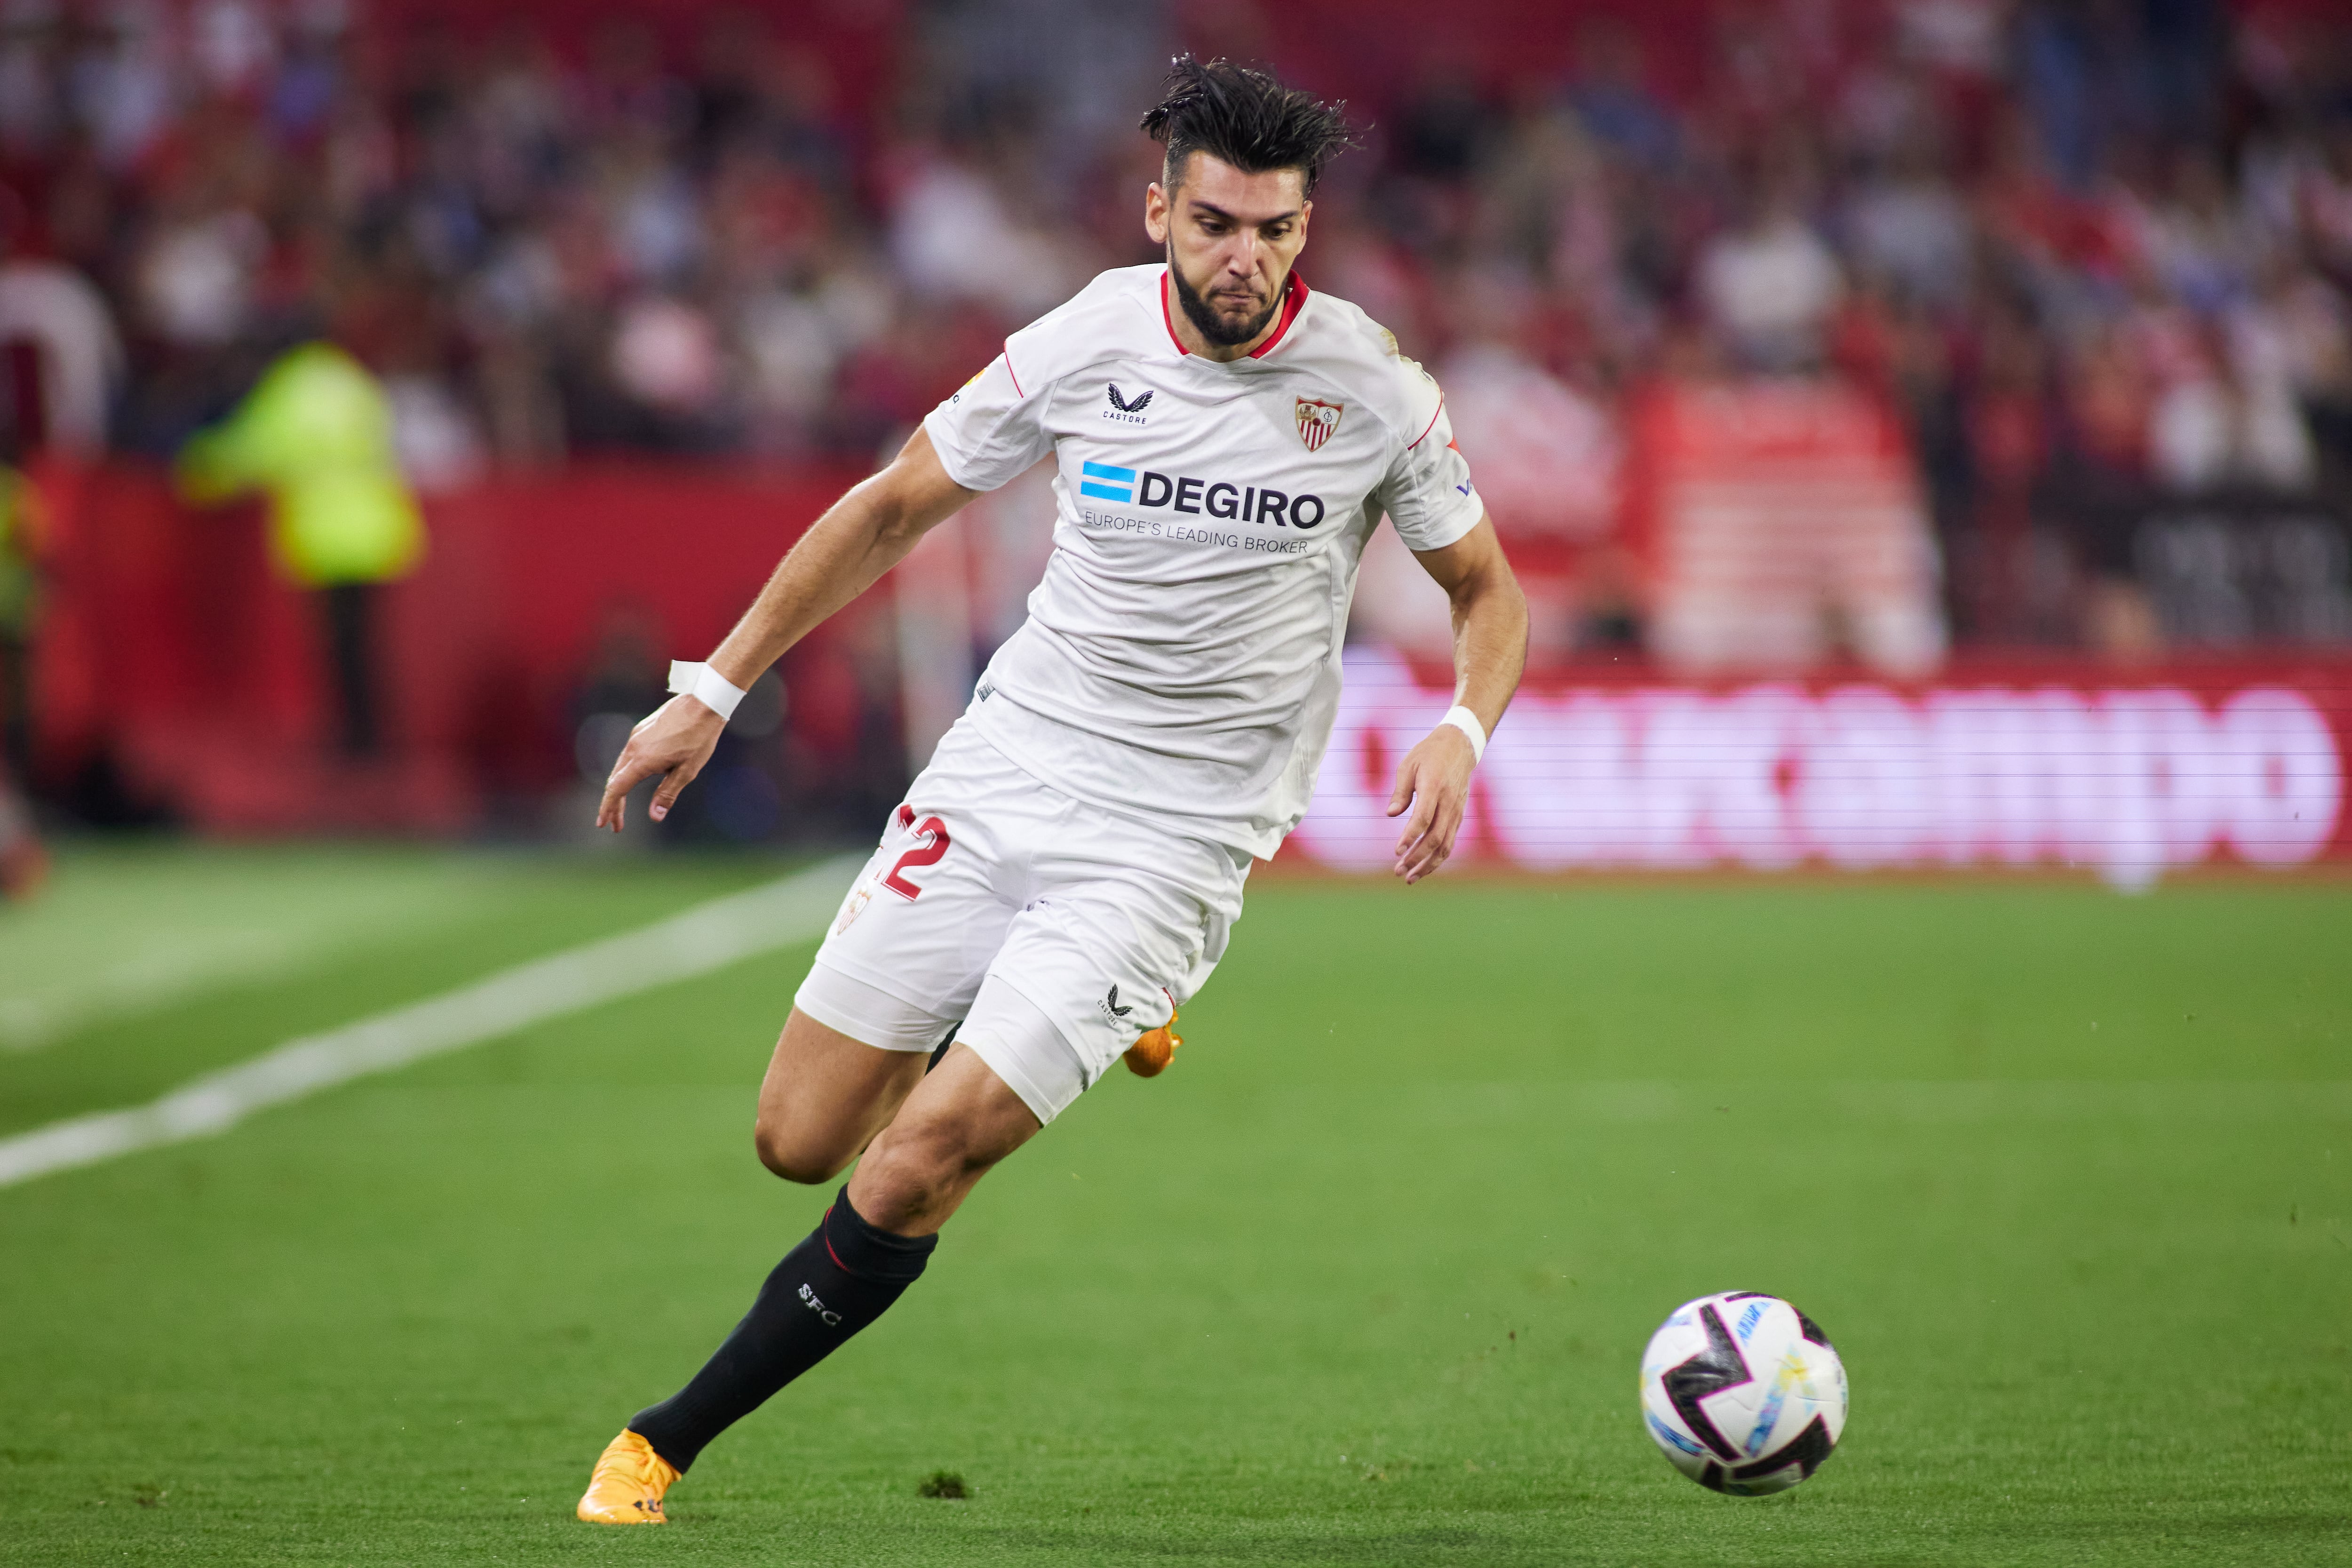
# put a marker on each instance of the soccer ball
(1743, 1393)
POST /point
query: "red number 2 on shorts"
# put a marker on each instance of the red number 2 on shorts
(931, 854)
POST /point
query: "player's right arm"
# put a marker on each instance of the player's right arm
(860, 537)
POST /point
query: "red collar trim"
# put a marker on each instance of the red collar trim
(1294, 299)
(1166, 318)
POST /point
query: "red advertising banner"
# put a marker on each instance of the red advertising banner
(2127, 775)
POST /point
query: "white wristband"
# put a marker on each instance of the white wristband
(706, 685)
(1462, 718)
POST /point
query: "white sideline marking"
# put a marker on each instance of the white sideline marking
(707, 937)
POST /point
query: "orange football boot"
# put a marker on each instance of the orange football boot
(1150, 1057)
(628, 1483)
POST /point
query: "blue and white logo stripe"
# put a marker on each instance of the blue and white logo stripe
(1669, 1435)
(1122, 485)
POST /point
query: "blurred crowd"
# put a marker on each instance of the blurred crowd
(623, 239)
(2090, 249)
(2094, 256)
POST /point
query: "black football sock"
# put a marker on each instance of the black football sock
(843, 1276)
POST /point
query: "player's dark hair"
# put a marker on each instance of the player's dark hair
(1247, 119)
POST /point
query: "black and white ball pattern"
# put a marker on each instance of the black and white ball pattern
(1743, 1393)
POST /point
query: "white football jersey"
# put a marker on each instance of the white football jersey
(1181, 657)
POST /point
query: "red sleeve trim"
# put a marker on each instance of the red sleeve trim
(1008, 369)
(1417, 440)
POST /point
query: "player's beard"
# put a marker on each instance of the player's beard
(1222, 331)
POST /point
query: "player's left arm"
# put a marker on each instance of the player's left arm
(1490, 650)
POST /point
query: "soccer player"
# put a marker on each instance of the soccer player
(1067, 871)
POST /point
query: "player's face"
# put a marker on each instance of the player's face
(1232, 240)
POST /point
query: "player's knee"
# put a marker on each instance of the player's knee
(907, 1171)
(915, 1170)
(794, 1157)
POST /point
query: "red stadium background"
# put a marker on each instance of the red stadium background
(1793, 694)
(192, 664)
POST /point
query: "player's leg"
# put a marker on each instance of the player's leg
(1019, 1061)
(871, 1244)
(827, 1094)
(825, 1097)
(896, 974)
(901, 965)
(953, 1130)
(985, 1100)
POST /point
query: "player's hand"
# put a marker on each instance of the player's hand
(1435, 780)
(672, 746)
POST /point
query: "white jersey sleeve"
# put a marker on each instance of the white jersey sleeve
(1427, 492)
(992, 430)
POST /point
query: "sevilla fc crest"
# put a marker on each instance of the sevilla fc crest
(1317, 420)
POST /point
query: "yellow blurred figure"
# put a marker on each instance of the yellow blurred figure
(315, 435)
(22, 862)
(20, 585)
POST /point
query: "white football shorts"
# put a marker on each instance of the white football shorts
(1055, 933)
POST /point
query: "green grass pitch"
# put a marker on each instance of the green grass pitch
(1363, 1279)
